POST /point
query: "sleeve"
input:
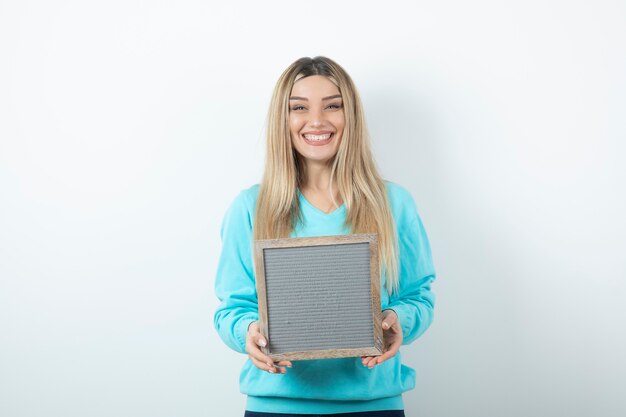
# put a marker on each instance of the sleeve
(235, 283)
(414, 301)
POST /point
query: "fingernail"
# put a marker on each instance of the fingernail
(269, 364)
(385, 326)
(272, 370)
(262, 343)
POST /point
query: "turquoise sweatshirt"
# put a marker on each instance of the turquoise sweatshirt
(324, 386)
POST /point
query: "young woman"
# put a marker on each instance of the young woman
(320, 179)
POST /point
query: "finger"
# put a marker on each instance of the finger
(389, 319)
(256, 353)
(391, 351)
(279, 369)
(287, 364)
(275, 368)
(259, 340)
(254, 340)
(255, 334)
(263, 365)
(281, 366)
(369, 361)
(366, 360)
(387, 355)
(270, 367)
(372, 362)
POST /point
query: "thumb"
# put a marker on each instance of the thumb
(389, 319)
(256, 335)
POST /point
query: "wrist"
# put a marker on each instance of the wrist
(391, 309)
(250, 324)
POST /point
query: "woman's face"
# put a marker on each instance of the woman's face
(316, 118)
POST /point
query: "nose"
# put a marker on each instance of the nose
(317, 117)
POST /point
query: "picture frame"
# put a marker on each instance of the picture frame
(319, 297)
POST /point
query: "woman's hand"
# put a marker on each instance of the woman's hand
(254, 339)
(392, 339)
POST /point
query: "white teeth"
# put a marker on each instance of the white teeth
(317, 137)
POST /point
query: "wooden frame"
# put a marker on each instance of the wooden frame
(353, 305)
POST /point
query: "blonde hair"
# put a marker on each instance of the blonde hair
(359, 184)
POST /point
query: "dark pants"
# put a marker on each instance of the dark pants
(387, 413)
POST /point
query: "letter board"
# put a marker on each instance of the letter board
(319, 297)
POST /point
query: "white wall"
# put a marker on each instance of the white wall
(127, 127)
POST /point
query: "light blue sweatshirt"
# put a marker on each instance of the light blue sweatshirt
(324, 386)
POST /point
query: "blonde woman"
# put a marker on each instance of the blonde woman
(320, 179)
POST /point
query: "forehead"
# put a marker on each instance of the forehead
(314, 86)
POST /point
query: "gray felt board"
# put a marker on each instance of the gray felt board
(319, 297)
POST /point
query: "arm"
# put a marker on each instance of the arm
(414, 301)
(235, 286)
(234, 283)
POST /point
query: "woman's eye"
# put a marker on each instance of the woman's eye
(297, 107)
(334, 106)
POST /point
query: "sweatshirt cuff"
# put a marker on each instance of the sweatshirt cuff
(242, 330)
(407, 318)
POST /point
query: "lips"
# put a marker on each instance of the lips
(318, 138)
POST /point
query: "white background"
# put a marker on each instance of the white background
(127, 128)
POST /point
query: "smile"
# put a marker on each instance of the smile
(318, 139)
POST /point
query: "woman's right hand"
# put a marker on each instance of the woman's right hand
(254, 339)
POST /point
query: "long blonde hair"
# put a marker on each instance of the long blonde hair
(359, 184)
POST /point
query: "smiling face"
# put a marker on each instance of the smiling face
(316, 118)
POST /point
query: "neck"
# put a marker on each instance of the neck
(317, 177)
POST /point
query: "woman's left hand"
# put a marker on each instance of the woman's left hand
(392, 340)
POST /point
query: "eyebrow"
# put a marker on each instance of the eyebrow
(306, 99)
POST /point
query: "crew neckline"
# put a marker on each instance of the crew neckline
(317, 210)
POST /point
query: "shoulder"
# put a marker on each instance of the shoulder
(241, 209)
(248, 196)
(402, 204)
(398, 194)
